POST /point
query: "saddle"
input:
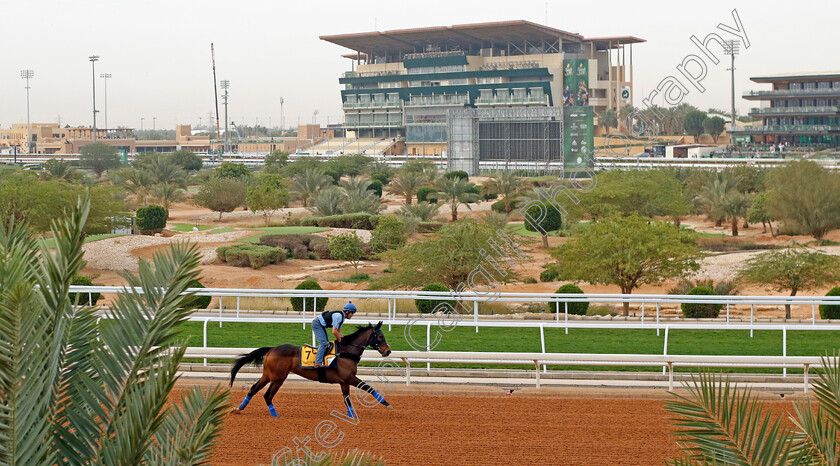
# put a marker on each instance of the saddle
(308, 353)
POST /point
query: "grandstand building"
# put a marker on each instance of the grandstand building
(799, 109)
(404, 84)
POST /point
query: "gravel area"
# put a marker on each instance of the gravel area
(363, 234)
(726, 266)
(115, 253)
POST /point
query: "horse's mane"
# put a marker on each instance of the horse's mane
(359, 329)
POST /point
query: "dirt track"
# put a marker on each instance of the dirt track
(476, 427)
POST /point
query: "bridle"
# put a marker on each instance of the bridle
(371, 343)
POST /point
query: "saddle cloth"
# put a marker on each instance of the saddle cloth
(308, 353)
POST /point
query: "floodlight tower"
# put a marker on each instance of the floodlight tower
(27, 75)
(282, 120)
(105, 77)
(226, 85)
(93, 59)
(731, 48)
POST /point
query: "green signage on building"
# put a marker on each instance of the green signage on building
(578, 118)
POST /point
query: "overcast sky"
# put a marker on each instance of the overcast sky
(158, 52)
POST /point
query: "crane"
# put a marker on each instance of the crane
(238, 136)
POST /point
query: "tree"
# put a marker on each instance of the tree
(76, 392)
(805, 196)
(715, 196)
(543, 219)
(221, 195)
(59, 169)
(275, 161)
(693, 123)
(628, 252)
(506, 184)
(424, 211)
(358, 198)
(793, 269)
(328, 202)
(167, 194)
(448, 257)
(187, 160)
(347, 247)
(758, 212)
(164, 170)
(151, 219)
(388, 234)
(717, 423)
(99, 157)
(455, 191)
(308, 184)
(714, 126)
(608, 118)
(231, 170)
(406, 185)
(267, 195)
(735, 206)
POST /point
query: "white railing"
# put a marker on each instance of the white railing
(564, 359)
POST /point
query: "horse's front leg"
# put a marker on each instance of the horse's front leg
(345, 390)
(361, 385)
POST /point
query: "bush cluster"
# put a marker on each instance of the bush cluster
(151, 219)
(828, 311)
(320, 303)
(359, 221)
(460, 174)
(250, 255)
(85, 299)
(197, 302)
(700, 311)
(549, 275)
(428, 227)
(498, 206)
(427, 306)
(299, 246)
(575, 308)
(423, 195)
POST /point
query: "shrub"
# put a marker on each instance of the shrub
(375, 186)
(151, 219)
(696, 310)
(460, 174)
(250, 255)
(427, 306)
(575, 308)
(85, 299)
(530, 280)
(357, 278)
(359, 221)
(197, 302)
(423, 195)
(828, 311)
(490, 196)
(388, 234)
(498, 206)
(549, 275)
(429, 227)
(382, 177)
(320, 303)
(320, 247)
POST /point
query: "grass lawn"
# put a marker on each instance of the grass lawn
(50, 242)
(188, 227)
(220, 230)
(519, 229)
(280, 231)
(603, 341)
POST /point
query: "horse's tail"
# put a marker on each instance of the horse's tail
(255, 356)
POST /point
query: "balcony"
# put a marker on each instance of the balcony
(824, 92)
(438, 101)
(373, 104)
(372, 124)
(528, 100)
(773, 111)
(786, 129)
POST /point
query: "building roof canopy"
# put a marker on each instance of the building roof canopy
(797, 76)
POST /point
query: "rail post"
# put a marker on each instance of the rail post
(542, 342)
(805, 377)
(727, 313)
(206, 320)
(407, 371)
(665, 350)
(752, 313)
(537, 367)
(220, 312)
(304, 313)
(475, 314)
(813, 314)
(657, 318)
(237, 307)
(784, 348)
(428, 343)
(566, 305)
(643, 312)
(557, 311)
(670, 376)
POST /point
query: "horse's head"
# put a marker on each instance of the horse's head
(377, 340)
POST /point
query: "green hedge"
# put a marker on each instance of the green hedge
(297, 303)
(828, 311)
(498, 206)
(250, 255)
(575, 308)
(427, 306)
(85, 299)
(549, 275)
(151, 219)
(697, 310)
(423, 195)
(299, 246)
(359, 221)
(197, 302)
(460, 174)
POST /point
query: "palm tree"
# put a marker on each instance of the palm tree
(328, 202)
(167, 194)
(164, 170)
(59, 169)
(715, 196)
(735, 206)
(358, 198)
(455, 191)
(306, 185)
(506, 184)
(608, 118)
(76, 392)
(716, 423)
(425, 211)
(138, 182)
(406, 184)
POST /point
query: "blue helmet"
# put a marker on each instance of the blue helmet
(349, 307)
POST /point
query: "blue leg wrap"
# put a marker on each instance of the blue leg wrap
(272, 411)
(244, 402)
(378, 397)
(351, 413)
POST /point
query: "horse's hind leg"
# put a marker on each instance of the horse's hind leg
(272, 390)
(253, 391)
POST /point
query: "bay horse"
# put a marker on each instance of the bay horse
(278, 361)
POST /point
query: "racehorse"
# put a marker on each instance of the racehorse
(278, 361)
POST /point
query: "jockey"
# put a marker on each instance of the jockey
(328, 319)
